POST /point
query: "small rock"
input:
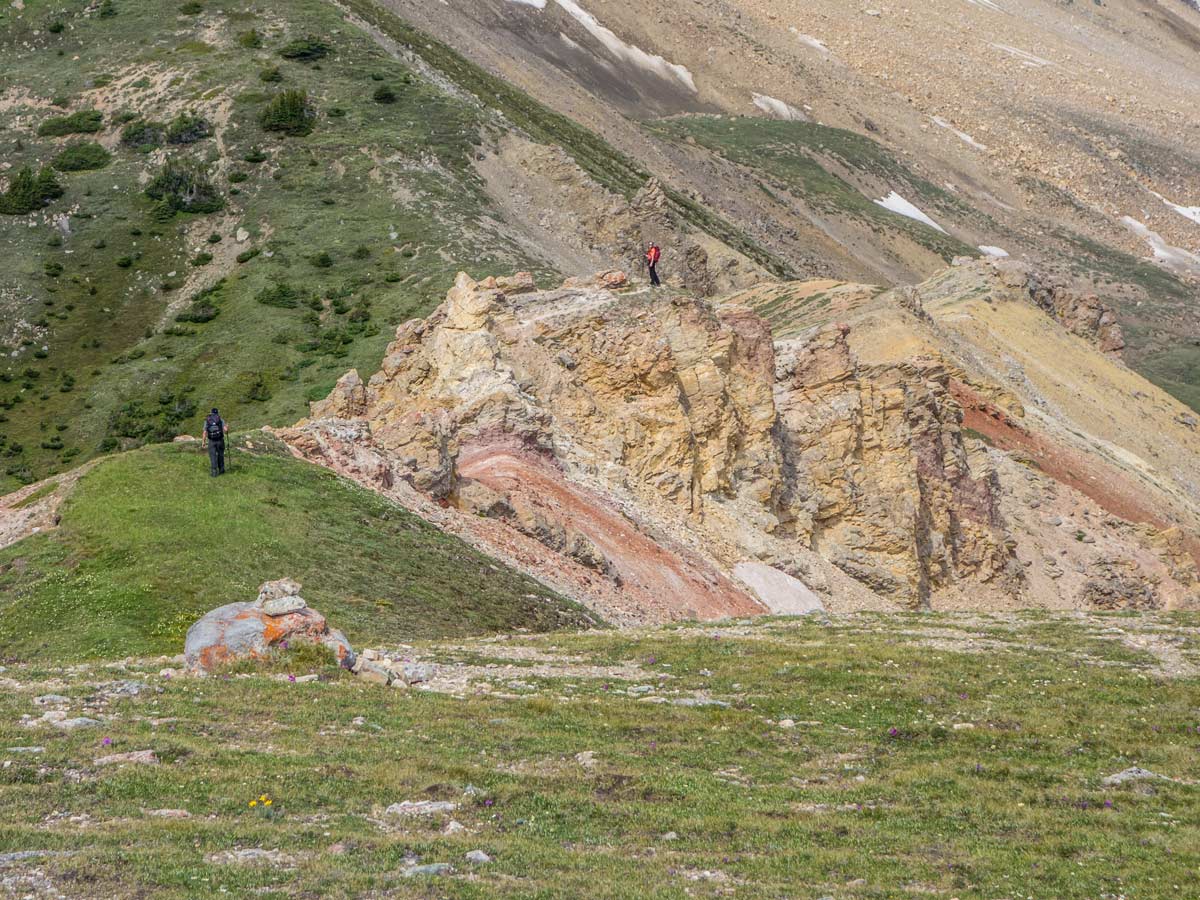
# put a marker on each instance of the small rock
(26, 749)
(415, 808)
(370, 654)
(281, 606)
(454, 827)
(477, 857)
(77, 722)
(273, 590)
(587, 758)
(1133, 773)
(787, 723)
(17, 855)
(699, 701)
(242, 235)
(471, 791)
(372, 673)
(963, 726)
(416, 673)
(251, 856)
(359, 720)
(169, 813)
(669, 836)
(135, 757)
(428, 870)
(51, 700)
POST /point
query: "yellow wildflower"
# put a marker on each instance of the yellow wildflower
(254, 803)
(267, 803)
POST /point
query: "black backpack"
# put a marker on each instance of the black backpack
(214, 428)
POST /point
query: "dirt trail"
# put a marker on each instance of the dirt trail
(34, 508)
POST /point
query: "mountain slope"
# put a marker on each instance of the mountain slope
(1063, 132)
(146, 543)
(125, 318)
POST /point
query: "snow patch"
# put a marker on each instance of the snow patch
(989, 250)
(1175, 258)
(627, 52)
(778, 591)
(897, 204)
(778, 108)
(961, 135)
(1188, 212)
(1026, 59)
(536, 4)
(987, 4)
(811, 41)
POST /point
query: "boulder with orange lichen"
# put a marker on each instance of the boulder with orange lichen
(255, 630)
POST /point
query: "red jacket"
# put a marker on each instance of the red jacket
(653, 255)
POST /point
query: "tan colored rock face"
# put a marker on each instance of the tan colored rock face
(635, 449)
(653, 442)
(882, 486)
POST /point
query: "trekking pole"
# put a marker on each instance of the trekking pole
(229, 453)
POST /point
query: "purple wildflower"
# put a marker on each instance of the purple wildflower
(107, 742)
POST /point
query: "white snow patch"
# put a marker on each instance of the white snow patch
(1175, 258)
(1188, 212)
(536, 4)
(987, 4)
(778, 108)
(627, 52)
(1027, 59)
(899, 205)
(989, 250)
(778, 591)
(961, 135)
(811, 41)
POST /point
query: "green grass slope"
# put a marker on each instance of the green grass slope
(928, 756)
(149, 542)
(127, 310)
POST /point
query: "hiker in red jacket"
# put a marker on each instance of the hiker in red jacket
(653, 255)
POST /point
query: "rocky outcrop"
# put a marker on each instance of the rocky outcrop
(651, 444)
(241, 631)
(1080, 313)
(881, 484)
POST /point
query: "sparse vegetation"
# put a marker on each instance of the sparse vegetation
(28, 192)
(183, 187)
(187, 128)
(289, 113)
(309, 49)
(85, 121)
(143, 135)
(82, 156)
(251, 39)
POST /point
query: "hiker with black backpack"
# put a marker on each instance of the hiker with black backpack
(215, 430)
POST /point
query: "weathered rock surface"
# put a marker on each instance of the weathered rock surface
(635, 450)
(239, 631)
(1079, 312)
